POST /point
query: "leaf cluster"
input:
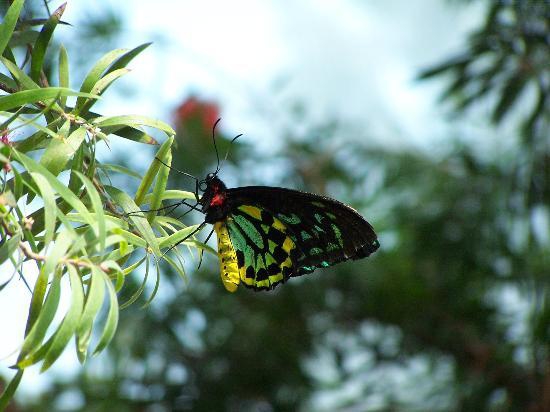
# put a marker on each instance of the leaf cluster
(60, 216)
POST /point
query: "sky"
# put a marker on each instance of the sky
(348, 59)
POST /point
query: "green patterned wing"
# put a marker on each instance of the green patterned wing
(278, 233)
(266, 254)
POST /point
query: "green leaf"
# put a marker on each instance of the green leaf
(23, 97)
(155, 288)
(94, 300)
(140, 290)
(113, 266)
(50, 207)
(8, 81)
(131, 238)
(9, 247)
(509, 95)
(62, 243)
(128, 57)
(161, 181)
(7, 26)
(19, 74)
(130, 133)
(171, 194)
(22, 37)
(120, 169)
(174, 238)
(101, 85)
(458, 62)
(70, 322)
(59, 187)
(39, 50)
(96, 72)
(179, 268)
(63, 72)
(133, 121)
(112, 317)
(10, 390)
(60, 150)
(40, 327)
(152, 171)
(141, 224)
(36, 141)
(98, 208)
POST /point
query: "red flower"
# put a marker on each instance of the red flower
(198, 111)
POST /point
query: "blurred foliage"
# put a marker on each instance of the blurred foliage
(452, 313)
(507, 58)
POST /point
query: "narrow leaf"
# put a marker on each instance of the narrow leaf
(130, 133)
(50, 207)
(39, 50)
(70, 322)
(112, 317)
(98, 208)
(36, 335)
(120, 169)
(25, 81)
(160, 183)
(141, 224)
(63, 72)
(509, 95)
(128, 57)
(152, 171)
(23, 97)
(140, 290)
(96, 72)
(61, 189)
(133, 121)
(61, 245)
(171, 194)
(10, 390)
(7, 26)
(61, 150)
(94, 300)
(176, 237)
(9, 247)
(101, 85)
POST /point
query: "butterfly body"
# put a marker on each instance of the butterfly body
(268, 234)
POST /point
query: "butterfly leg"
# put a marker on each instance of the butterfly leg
(172, 207)
(202, 251)
(191, 207)
(185, 238)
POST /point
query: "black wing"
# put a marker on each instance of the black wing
(324, 230)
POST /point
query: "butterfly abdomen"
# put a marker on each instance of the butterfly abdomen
(229, 269)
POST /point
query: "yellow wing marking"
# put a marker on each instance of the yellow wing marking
(253, 211)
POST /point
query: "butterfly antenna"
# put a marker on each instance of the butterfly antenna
(229, 148)
(179, 171)
(185, 174)
(216, 147)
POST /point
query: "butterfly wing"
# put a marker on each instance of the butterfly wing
(250, 251)
(278, 233)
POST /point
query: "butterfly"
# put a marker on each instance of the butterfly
(267, 235)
